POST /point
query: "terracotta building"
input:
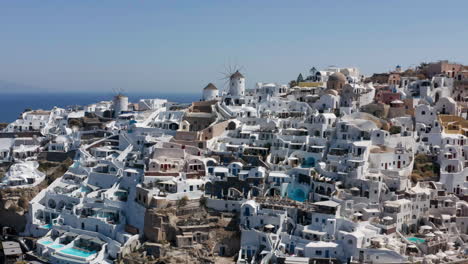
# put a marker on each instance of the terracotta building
(394, 78)
(443, 67)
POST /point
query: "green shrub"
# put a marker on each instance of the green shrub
(395, 130)
(182, 201)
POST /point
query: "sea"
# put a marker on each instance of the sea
(13, 104)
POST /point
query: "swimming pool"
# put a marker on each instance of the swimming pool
(297, 195)
(56, 246)
(48, 226)
(77, 252)
(416, 240)
(308, 163)
(47, 242)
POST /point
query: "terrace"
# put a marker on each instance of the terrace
(82, 249)
(110, 216)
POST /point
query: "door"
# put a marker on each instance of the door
(222, 250)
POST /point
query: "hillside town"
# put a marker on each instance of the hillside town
(332, 167)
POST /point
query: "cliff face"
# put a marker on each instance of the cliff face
(14, 205)
(187, 233)
(14, 202)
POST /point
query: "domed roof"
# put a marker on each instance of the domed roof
(337, 77)
(332, 92)
(210, 86)
(237, 75)
(251, 203)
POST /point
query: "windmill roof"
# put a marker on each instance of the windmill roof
(210, 86)
(237, 74)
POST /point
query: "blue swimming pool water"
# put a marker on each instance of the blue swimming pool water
(77, 252)
(56, 246)
(48, 226)
(416, 240)
(297, 195)
(308, 163)
(47, 242)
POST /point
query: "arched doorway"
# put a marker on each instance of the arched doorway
(231, 125)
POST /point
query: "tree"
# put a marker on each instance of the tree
(75, 122)
(300, 78)
(395, 130)
(182, 201)
(313, 71)
(292, 83)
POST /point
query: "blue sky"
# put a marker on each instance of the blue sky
(180, 46)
